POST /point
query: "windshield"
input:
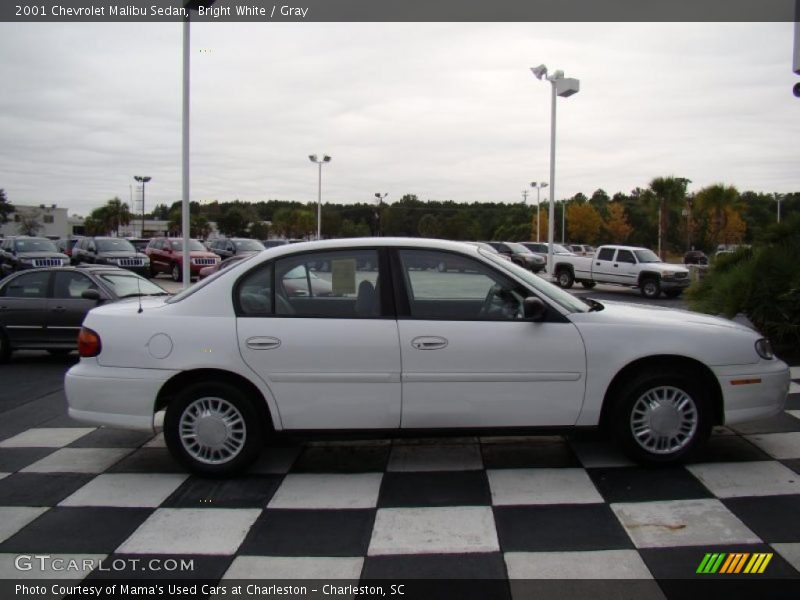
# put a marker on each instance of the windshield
(646, 256)
(35, 245)
(114, 245)
(517, 248)
(194, 246)
(559, 248)
(556, 294)
(249, 245)
(130, 284)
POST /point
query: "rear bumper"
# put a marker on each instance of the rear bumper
(753, 392)
(113, 396)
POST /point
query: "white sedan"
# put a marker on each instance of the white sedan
(485, 347)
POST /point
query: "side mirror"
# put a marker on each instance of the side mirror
(533, 308)
(91, 294)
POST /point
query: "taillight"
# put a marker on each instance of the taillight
(88, 343)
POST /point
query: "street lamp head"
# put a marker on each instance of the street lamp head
(557, 75)
(534, 184)
(326, 158)
(539, 71)
(142, 179)
(567, 87)
(544, 185)
(312, 157)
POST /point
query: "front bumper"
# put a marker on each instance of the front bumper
(114, 396)
(675, 284)
(752, 392)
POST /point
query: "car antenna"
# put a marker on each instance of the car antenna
(139, 290)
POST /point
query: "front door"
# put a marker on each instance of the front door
(23, 304)
(324, 342)
(469, 358)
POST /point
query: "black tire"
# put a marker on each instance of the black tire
(630, 400)
(673, 293)
(650, 288)
(251, 428)
(5, 348)
(565, 278)
(588, 284)
(176, 272)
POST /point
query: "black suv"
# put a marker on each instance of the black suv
(235, 246)
(112, 251)
(23, 252)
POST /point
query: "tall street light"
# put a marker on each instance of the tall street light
(142, 179)
(564, 87)
(778, 197)
(380, 198)
(538, 185)
(325, 159)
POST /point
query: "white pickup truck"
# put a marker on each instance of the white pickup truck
(623, 265)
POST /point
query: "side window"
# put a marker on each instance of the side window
(625, 256)
(68, 284)
(606, 254)
(29, 285)
(463, 290)
(254, 293)
(338, 284)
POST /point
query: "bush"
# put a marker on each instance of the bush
(762, 282)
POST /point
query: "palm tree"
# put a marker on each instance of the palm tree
(717, 199)
(116, 214)
(671, 193)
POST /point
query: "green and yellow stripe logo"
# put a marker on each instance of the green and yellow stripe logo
(734, 563)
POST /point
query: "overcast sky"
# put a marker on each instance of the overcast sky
(444, 111)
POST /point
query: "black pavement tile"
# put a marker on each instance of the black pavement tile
(342, 459)
(642, 484)
(443, 488)
(251, 491)
(793, 402)
(523, 455)
(148, 460)
(729, 448)
(772, 518)
(14, 459)
(682, 562)
(72, 530)
(310, 533)
(162, 566)
(780, 423)
(39, 489)
(112, 438)
(551, 528)
(488, 565)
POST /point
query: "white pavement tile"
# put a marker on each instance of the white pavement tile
(51, 566)
(790, 552)
(276, 460)
(778, 445)
(452, 530)
(682, 523)
(542, 486)
(594, 455)
(795, 371)
(466, 457)
(14, 518)
(602, 564)
(794, 413)
(144, 490)
(794, 388)
(56, 437)
(191, 531)
(156, 442)
(295, 567)
(312, 490)
(78, 460)
(756, 478)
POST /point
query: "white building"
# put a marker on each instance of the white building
(54, 221)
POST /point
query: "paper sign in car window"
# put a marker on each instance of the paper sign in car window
(343, 272)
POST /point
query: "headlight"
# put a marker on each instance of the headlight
(764, 349)
(26, 261)
(668, 274)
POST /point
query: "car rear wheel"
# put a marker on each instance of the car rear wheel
(176, 272)
(565, 278)
(661, 417)
(651, 288)
(214, 429)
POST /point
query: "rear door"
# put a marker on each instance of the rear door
(603, 265)
(66, 309)
(23, 308)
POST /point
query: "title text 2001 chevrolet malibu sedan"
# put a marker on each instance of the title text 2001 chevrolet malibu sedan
(486, 346)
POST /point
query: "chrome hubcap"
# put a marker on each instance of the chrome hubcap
(664, 420)
(212, 430)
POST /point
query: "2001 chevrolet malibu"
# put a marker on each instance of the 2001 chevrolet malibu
(406, 347)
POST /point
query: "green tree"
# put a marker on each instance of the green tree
(429, 226)
(584, 223)
(670, 192)
(5, 207)
(161, 212)
(259, 230)
(116, 214)
(616, 226)
(716, 200)
(234, 222)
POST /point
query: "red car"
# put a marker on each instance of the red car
(166, 256)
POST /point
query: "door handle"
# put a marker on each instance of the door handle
(615, 266)
(597, 263)
(59, 309)
(262, 343)
(429, 343)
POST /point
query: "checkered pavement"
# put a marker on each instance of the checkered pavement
(478, 508)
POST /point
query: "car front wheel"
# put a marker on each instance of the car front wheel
(565, 279)
(176, 272)
(651, 288)
(213, 429)
(661, 417)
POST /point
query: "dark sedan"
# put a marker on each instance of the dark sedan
(520, 255)
(43, 309)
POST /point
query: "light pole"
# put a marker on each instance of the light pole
(778, 199)
(380, 211)
(325, 159)
(538, 185)
(142, 179)
(564, 87)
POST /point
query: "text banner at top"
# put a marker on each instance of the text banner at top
(226, 11)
